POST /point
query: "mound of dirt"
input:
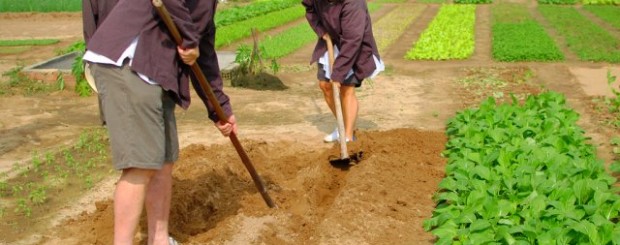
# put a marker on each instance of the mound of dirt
(260, 81)
(382, 200)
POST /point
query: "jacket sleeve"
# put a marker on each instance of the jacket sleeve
(313, 17)
(209, 65)
(353, 22)
(181, 16)
(89, 19)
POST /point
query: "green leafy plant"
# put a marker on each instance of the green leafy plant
(250, 60)
(449, 36)
(523, 174)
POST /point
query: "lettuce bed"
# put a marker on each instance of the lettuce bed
(523, 175)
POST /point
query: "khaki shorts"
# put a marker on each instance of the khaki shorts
(139, 117)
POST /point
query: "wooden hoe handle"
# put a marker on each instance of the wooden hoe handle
(206, 88)
(338, 106)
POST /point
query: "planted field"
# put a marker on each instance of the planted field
(517, 173)
(287, 42)
(610, 14)
(236, 14)
(40, 5)
(295, 37)
(518, 37)
(392, 25)
(242, 29)
(449, 36)
(524, 174)
(589, 41)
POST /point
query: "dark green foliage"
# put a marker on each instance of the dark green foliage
(523, 174)
(526, 41)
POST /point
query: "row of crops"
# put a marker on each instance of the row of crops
(516, 34)
(523, 174)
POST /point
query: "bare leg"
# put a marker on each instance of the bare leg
(350, 107)
(158, 197)
(326, 87)
(128, 203)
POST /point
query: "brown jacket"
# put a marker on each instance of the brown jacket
(203, 12)
(156, 55)
(349, 26)
(93, 14)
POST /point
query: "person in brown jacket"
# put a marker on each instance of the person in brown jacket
(348, 24)
(93, 14)
(140, 78)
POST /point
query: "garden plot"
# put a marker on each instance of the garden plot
(384, 200)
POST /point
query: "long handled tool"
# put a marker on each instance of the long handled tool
(344, 159)
(165, 15)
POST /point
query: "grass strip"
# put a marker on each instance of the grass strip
(40, 6)
(449, 36)
(516, 36)
(288, 41)
(228, 34)
(239, 13)
(14, 49)
(616, 2)
(609, 14)
(294, 38)
(392, 25)
(28, 42)
(523, 174)
(589, 41)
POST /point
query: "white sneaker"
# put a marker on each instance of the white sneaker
(171, 241)
(333, 137)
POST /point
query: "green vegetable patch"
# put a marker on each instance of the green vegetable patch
(523, 174)
(589, 41)
(228, 34)
(235, 14)
(518, 37)
(609, 14)
(449, 36)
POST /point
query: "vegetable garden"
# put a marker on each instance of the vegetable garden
(480, 131)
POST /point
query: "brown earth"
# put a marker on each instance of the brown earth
(382, 200)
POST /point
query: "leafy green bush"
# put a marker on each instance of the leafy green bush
(523, 175)
(449, 36)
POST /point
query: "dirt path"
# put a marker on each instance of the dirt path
(383, 200)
